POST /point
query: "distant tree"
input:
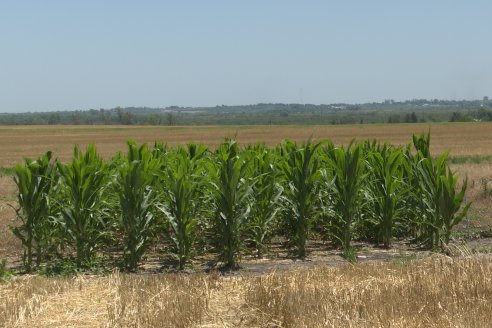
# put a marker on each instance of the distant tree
(171, 119)
(411, 118)
(127, 118)
(120, 113)
(54, 118)
(105, 117)
(76, 118)
(459, 117)
(394, 119)
(484, 115)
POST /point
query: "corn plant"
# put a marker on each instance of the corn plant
(134, 183)
(182, 182)
(430, 172)
(266, 196)
(301, 178)
(425, 178)
(387, 189)
(347, 172)
(443, 202)
(451, 202)
(231, 200)
(35, 181)
(84, 181)
(415, 212)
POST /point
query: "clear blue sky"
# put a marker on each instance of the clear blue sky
(67, 55)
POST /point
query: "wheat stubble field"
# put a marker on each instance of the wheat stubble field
(429, 291)
(16, 142)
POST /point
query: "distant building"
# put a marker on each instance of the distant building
(485, 98)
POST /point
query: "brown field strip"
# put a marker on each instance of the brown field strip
(16, 142)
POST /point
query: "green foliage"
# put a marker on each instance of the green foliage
(84, 181)
(436, 185)
(34, 180)
(7, 171)
(451, 202)
(347, 168)
(182, 184)
(266, 195)
(231, 200)
(69, 267)
(300, 169)
(62, 268)
(135, 187)
(387, 189)
(350, 254)
(473, 159)
(5, 274)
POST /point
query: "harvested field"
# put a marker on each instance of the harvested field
(438, 291)
(16, 142)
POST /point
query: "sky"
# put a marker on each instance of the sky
(77, 55)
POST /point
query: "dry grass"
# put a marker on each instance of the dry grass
(113, 301)
(435, 292)
(16, 142)
(23, 298)
(159, 300)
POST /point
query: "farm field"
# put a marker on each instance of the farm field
(16, 142)
(443, 291)
(387, 287)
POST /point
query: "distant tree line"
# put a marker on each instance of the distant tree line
(267, 114)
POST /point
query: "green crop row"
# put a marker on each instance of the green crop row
(233, 199)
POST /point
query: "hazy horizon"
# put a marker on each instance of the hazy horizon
(76, 56)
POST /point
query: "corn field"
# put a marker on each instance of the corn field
(231, 201)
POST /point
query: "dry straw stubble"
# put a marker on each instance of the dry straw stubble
(436, 292)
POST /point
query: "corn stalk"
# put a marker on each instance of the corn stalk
(135, 181)
(386, 189)
(267, 200)
(301, 178)
(231, 200)
(83, 181)
(347, 169)
(35, 181)
(182, 182)
(451, 202)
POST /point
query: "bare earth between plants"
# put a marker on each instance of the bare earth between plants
(277, 291)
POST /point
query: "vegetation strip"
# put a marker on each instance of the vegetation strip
(232, 200)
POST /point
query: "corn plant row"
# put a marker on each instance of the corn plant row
(233, 200)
